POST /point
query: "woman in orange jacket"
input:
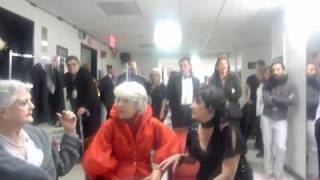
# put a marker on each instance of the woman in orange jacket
(122, 148)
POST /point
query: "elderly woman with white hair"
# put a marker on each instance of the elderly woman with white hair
(123, 146)
(26, 151)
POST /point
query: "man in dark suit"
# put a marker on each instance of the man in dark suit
(106, 87)
(132, 75)
(83, 96)
(181, 88)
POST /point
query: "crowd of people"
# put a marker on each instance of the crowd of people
(134, 143)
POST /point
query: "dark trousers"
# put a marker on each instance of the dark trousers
(249, 124)
(259, 143)
(181, 117)
(317, 134)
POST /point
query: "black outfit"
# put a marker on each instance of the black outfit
(55, 92)
(313, 89)
(253, 83)
(48, 99)
(81, 91)
(39, 94)
(180, 114)
(132, 77)
(248, 120)
(106, 87)
(158, 94)
(233, 92)
(252, 122)
(220, 147)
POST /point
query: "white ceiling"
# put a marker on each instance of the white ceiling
(207, 25)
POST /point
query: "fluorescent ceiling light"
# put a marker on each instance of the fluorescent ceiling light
(167, 35)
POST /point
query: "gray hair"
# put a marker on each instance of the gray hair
(133, 91)
(9, 91)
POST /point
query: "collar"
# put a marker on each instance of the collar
(208, 124)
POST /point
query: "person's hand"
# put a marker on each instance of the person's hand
(162, 114)
(81, 111)
(68, 121)
(174, 159)
(155, 175)
(249, 101)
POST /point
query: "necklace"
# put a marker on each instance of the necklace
(207, 125)
(9, 141)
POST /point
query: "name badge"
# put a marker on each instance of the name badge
(74, 94)
(233, 90)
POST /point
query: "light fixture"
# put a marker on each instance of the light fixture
(167, 35)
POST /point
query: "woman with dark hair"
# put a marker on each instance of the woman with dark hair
(230, 83)
(214, 142)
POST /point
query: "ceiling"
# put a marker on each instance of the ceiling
(207, 25)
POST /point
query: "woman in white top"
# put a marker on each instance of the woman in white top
(259, 105)
(26, 152)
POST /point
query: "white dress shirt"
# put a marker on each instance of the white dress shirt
(187, 91)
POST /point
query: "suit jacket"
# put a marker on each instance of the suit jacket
(133, 77)
(40, 94)
(233, 92)
(106, 87)
(174, 90)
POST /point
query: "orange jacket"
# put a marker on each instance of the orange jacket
(115, 154)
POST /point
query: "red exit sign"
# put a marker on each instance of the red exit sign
(112, 41)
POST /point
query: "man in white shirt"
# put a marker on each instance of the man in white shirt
(181, 89)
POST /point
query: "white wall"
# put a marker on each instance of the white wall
(59, 32)
(295, 61)
(277, 38)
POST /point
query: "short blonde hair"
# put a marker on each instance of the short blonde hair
(133, 91)
(9, 91)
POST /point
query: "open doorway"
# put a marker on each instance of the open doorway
(89, 59)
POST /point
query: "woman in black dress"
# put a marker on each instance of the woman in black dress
(215, 143)
(158, 94)
(230, 83)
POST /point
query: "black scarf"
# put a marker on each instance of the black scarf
(273, 82)
(215, 121)
(312, 81)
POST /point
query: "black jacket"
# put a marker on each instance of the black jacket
(87, 96)
(233, 92)
(106, 87)
(174, 92)
(133, 77)
(40, 94)
(313, 88)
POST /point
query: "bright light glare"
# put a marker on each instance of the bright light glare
(167, 35)
(299, 19)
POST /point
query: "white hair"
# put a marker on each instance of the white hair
(155, 70)
(9, 91)
(133, 91)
